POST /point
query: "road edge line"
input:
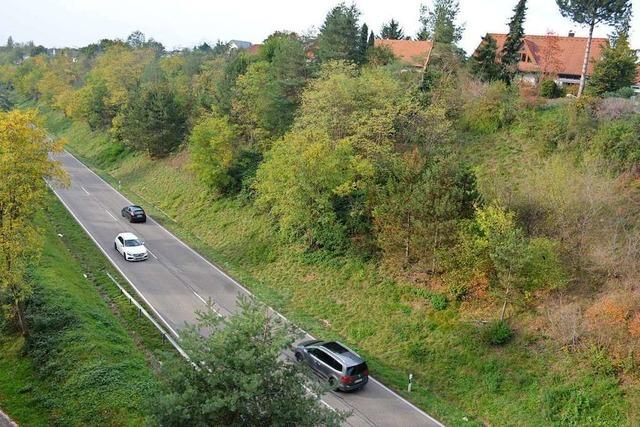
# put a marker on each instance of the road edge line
(411, 405)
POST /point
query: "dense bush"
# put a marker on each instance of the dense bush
(550, 89)
(619, 140)
(625, 92)
(490, 111)
(497, 332)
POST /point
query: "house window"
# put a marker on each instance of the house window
(524, 57)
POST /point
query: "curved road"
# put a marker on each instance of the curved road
(176, 281)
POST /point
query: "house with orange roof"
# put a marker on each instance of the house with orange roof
(552, 55)
(412, 52)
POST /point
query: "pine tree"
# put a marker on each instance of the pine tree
(10, 42)
(372, 39)
(514, 41)
(439, 22)
(591, 13)
(338, 38)
(484, 63)
(363, 44)
(616, 69)
(392, 31)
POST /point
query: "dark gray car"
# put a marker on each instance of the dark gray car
(337, 364)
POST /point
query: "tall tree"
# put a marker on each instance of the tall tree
(338, 37)
(238, 377)
(438, 23)
(484, 64)
(419, 209)
(510, 56)
(616, 69)
(24, 163)
(392, 30)
(372, 39)
(592, 13)
(10, 42)
(152, 120)
(363, 44)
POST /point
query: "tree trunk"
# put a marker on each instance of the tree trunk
(504, 309)
(585, 63)
(21, 320)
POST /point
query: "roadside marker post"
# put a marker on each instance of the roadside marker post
(410, 380)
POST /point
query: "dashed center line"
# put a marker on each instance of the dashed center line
(152, 254)
(114, 218)
(85, 190)
(199, 297)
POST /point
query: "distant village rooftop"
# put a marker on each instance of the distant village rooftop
(554, 54)
(413, 52)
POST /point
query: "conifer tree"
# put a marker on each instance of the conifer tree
(363, 44)
(514, 41)
(616, 69)
(338, 38)
(591, 13)
(438, 23)
(484, 63)
(372, 39)
(392, 31)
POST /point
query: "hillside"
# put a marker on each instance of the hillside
(544, 375)
(88, 359)
(459, 223)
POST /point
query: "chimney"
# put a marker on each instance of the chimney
(572, 33)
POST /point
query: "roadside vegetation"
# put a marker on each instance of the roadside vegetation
(456, 223)
(88, 358)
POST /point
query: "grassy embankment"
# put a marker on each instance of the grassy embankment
(456, 376)
(90, 360)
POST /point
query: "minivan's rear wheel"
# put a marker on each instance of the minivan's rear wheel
(298, 356)
(332, 383)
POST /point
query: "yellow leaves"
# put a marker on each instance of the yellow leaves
(119, 68)
(24, 163)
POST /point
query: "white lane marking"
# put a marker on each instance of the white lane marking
(173, 331)
(114, 218)
(84, 189)
(152, 254)
(411, 405)
(200, 298)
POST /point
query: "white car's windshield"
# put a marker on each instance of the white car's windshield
(132, 242)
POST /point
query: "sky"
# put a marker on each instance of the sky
(185, 23)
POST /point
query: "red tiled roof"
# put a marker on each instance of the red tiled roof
(568, 55)
(253, 49)
(414, 52)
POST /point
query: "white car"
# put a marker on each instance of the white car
(130, 247)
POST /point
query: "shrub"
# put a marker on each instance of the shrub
(496, 333)
(211, 151)
(615, 108)
(625, 92)
(619, 140)
(439, 301)
(492, 110)
(549, 89)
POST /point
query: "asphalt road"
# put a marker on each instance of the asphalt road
(176, 281)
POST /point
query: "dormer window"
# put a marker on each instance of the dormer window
(524, 57)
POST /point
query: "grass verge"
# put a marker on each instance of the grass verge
(89, 360)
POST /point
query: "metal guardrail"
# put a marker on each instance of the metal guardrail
(141, 310)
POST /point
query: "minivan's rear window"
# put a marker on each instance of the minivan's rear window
(357, 369)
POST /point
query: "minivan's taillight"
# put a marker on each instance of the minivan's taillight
(346, 379)
(366, 373)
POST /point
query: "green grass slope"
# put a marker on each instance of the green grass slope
(89, 359)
